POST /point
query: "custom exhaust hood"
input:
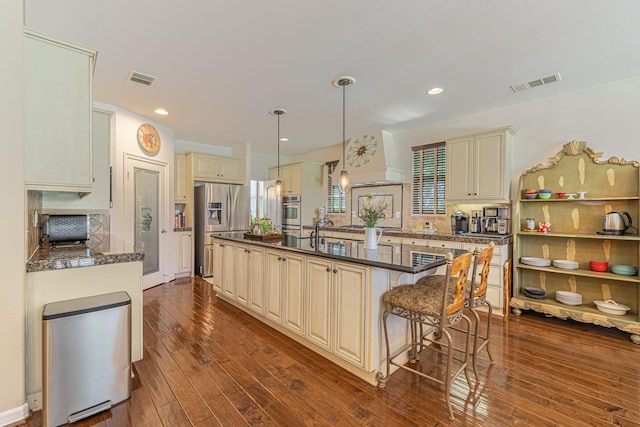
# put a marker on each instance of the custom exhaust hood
(371, 159)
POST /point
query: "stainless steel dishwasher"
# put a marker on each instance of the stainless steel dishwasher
(87, 356)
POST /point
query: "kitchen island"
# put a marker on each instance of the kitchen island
(75, 272)
(326, 294)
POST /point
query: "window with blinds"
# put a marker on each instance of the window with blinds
(428, 179)
(336, 200)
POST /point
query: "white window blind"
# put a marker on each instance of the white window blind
(428, 179)
(336, 200)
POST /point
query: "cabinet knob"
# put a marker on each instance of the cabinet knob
(248, 251)
(284, 259)
(335, 270)
(279, 258)
(328, 269)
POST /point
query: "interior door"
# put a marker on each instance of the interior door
(145, 211)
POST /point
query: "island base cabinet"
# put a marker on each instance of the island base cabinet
(256, 282)
(319, 302)
(332, 307)
(350, 297)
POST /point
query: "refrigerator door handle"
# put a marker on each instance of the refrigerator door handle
(229, 205)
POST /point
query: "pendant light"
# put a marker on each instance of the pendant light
(343, 82)
(278, 112)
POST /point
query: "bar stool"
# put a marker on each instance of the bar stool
(438, 306)
(477, 297)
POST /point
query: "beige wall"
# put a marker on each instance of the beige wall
(12, 245)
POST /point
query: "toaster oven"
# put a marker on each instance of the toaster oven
(66, 229)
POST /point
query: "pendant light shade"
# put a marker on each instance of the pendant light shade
(278, 112)
(343, 82)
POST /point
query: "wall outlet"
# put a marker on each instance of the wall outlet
(353, 214)
(398, 215)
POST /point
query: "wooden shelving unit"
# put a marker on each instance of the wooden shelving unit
(611, 185)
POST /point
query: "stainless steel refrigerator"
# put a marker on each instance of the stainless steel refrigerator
(217, 208)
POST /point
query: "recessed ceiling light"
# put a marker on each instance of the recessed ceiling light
(283, 139)
(435, 91)
(162, 111)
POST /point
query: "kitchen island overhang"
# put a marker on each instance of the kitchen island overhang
(328, 298)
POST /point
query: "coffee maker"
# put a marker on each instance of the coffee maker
(496, 219)
(459, 223)
(476, 221)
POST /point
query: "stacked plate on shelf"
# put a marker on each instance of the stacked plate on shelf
(536, 262)
(535, 293)
(565, 264)
(569, 298)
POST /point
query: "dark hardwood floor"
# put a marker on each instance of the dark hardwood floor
(207, 363)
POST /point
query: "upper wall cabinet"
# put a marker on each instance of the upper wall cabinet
(58, 114)
(99, 199)
(479, 166)
(180, 178)
(210, 168)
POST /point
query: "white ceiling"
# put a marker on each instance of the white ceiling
(223, 64)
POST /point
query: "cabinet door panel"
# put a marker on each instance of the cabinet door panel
(293, 293)
(459, 168)
(320, 275)
(256, 283)
(58, 154)
(217, 255)
(242, 274)
(228, 271)
(489, 166)
(274, 278)
(350, 288)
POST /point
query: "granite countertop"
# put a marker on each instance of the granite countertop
(47, 258)
(498, 239)
(393, 256)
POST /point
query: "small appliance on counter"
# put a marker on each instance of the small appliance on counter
(476, 221)
(66, 230)
(496, 219)
(459, 223)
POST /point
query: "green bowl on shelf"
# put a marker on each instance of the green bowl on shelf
(544, 195)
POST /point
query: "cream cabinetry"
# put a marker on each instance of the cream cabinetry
(336, 308)
(611, 186)
(211, 168)
(256, 279)
(285, 272)
(291, 176)
(100, 198)
(58, 76)
(180, 178)
(303, 179)
(224, 268)
(183, 247)
(480, 167)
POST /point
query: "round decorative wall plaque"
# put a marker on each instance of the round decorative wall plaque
(149, 139)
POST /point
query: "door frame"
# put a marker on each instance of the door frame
(132, 161)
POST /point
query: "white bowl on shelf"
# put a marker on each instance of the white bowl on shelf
(612, 307)
(565, 264)
(536, 262)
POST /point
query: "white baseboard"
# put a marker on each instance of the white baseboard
(14, 415)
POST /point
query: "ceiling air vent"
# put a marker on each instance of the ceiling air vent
(140, 79)
(536, 83)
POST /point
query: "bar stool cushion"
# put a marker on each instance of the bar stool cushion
(420, 298)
